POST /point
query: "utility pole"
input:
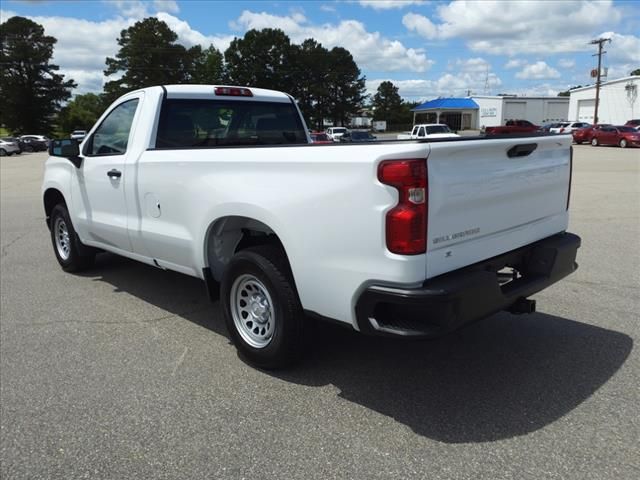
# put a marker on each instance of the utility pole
(598, 42)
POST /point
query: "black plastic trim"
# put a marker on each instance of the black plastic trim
(213, 287)
(449, 301)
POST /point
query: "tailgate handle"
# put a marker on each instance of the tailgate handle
(521, 150)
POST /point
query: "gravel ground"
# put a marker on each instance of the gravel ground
(126, 371)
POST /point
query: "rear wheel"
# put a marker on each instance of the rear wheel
(623, 143)
(71, 254)
(261, 307)
(594, 142)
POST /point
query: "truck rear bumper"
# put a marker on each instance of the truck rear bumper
(447, 302)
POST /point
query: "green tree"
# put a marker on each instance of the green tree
(346, 85)
(635, 72)
(262, 58)
(207, 65)
(567, 93)
(388, 104)
(148, 55)
(310, 76)
(31, 90)
(80, 113)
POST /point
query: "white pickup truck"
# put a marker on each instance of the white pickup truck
(391, 238)
(428, 131)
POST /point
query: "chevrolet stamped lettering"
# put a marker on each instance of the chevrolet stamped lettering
(454, 236)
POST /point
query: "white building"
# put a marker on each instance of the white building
(618, 101)
(494, 111)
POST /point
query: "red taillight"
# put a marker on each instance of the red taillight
(406, 225)
(233, 91)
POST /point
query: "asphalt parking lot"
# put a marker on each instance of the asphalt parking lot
(126, 371)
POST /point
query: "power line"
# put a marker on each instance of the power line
(599, 42)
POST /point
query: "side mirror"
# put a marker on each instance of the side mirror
(66, 148)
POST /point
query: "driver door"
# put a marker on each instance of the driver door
(98, 190)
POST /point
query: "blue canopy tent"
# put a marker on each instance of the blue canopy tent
(455, 112)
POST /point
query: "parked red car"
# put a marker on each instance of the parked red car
(513, 127)
(584, 135)
(320, 137)
(635, 123)
(618, 135)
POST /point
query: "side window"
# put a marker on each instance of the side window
(112, 136)
(421, 132)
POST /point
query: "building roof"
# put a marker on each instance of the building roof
(609, 82)
(448, 104)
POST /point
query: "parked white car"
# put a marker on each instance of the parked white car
(8, 148)
(334, 133)
(428, 130)
(561, 127)
(404, 239)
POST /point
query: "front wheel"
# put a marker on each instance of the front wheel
(261, 307)
(594, 142)
(3, 152)
(72, 255)
(623, 143)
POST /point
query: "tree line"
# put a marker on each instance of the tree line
(327, 83)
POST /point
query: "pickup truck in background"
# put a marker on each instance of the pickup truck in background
(428, 130)
(401, 239)
(512, 127)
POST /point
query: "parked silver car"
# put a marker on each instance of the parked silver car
(8, 148)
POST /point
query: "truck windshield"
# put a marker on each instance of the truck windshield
(210, 123)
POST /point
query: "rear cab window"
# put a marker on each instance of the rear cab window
(190, 123)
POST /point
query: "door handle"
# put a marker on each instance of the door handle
(521, 150)
(113, 173)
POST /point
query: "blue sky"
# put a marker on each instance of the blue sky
(428, 49)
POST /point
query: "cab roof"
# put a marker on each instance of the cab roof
(208, 92)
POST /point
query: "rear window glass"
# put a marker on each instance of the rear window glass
(210, 123)
(438, 129)
(626, 129)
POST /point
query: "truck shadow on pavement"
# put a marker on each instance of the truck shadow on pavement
(498, 378)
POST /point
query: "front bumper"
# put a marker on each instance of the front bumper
(447, 302)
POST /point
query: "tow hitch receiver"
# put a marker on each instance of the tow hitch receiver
(522, 305)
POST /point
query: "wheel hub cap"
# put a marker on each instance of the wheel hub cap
(63, 240)
(252, 310)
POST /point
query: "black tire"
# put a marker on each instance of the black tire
(578, 143)
(3, 152)
(28, 148)
(623, 143)
(268, 265)
(78, 256)
(594, 142)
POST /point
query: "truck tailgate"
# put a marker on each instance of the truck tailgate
(483, 202)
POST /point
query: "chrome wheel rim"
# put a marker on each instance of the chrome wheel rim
(623, 143)
(63, 242)
(252, 311)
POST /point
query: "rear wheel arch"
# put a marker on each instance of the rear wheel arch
(231, 234)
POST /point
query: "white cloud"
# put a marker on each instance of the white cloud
(169, 6)
(514, 63)
(447, 85)
(83, 45)
(389, 4)
(474, 65)
(420, 24)
(328, 8)
(538, 70)
(130, 8)
(623, 48)
(189, 37)
(504, 27)
(371, 50)
(566, 63)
